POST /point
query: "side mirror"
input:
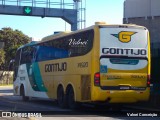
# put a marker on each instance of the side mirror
(11, 65)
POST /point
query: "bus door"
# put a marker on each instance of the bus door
(123, 58)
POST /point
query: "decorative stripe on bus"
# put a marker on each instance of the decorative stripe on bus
(35, 77)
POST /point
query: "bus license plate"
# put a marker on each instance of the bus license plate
(124, 88)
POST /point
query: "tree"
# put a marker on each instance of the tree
(2, 57)
(12, 39)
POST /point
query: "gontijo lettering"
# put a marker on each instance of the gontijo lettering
(55, 67)
(127, 51)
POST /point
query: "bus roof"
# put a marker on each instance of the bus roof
(55, 35)
(29, 44)
(97, 24)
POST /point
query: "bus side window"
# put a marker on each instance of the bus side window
(27, 54)
(29, 58)
(34, 54)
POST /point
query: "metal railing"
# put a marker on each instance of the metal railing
(40, 3)
(79, 5)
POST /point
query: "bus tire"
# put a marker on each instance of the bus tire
(22, 93)
(61, 99)
(72, 104)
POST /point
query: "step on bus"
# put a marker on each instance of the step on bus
(99, 64)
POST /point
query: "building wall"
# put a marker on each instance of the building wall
(141, 8)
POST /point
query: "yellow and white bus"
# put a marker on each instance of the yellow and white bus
(102, 63)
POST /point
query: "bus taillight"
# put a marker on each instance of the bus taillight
(97, 79)
(148, 80)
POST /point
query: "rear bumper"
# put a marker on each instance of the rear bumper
(120, 96)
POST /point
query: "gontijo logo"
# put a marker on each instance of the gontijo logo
(124, 36)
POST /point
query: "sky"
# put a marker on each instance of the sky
(109, 11)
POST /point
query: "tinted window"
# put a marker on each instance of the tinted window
(27, 54)
(70, 46)
(50, 53)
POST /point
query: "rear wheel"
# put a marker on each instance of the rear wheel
(71, 99)
(61, 99)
